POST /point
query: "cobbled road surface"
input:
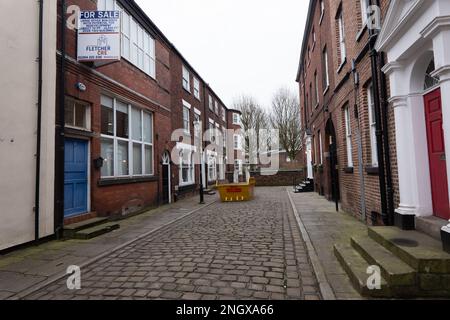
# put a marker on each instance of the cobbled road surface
(250, 250)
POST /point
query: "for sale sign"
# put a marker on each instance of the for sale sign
(99, 36)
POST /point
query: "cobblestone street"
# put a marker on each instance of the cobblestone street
(226, 251)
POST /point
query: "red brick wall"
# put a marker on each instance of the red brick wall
(344, 93)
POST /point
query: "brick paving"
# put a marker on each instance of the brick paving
(250, 250)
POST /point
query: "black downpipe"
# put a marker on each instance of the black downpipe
(59, 185)
(39, 126)
(379, 129)
(387, 155)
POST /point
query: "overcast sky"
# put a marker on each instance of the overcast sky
(237, 46)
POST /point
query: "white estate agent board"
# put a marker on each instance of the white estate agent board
(99, 36)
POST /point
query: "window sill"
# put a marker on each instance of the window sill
(348, 170)
(371, 170)
(186, 90)
(316, 106)
(361, 32)
(187, 184)
(341, 66)
(326, 90)
(131, 180)
(321, 18)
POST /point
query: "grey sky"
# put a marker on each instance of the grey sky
(246, 46)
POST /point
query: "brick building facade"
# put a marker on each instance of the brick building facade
(335, 79)
(114, 137)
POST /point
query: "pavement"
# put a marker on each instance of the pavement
(325, 227)
(277, 247)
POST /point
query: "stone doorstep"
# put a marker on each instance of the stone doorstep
(431, 226)
(420, 251)
(70, 230)
(395, 271)
(96, 231)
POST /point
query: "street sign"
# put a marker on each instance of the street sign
(99, 36)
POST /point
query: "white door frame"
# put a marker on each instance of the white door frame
(166, 162)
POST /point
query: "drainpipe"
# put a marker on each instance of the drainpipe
(59, 152)
(379, 129)
(39, 125)
(387, 155)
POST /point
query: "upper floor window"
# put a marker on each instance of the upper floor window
(197, 88)
(316, 84)
(224, 114)
(364, 10)
(326, 75)
(211, 103)
(186, 79)
(126, 139)
(322, 10)
(237, 142)
(373, 125)
(236, 119)
(341, 30)
(138, 46)
(216, 107)
(348, 136)
(186, 117)
(314, 38)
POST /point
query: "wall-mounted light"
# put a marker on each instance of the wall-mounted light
(81, 86)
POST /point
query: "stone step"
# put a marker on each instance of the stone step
(96, 231)
(431, 226)
(356, 267)
(395, 271)
(70, 230)
(418, 250)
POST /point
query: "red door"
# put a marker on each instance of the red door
(436, 152)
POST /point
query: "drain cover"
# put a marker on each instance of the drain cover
(405, 242)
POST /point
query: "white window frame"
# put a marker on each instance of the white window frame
(320, 148)
(87, 114)
(322, 11)
(316, 80)
(341, 28)
(224, 114)
(372, 124)
(211, 103)
(197, 88)
(237, 142)
(216, 107)
(189, 165)
(236, 119)
(212, 166)
(348, 136)
(141, 49)
(327, 75)
(238, 166)
(186, 79)
(186, 117)
(130, 141)
(364, 11)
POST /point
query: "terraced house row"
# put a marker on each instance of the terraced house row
(83, 139)
(373, 80)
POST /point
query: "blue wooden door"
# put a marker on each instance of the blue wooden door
(75, 177)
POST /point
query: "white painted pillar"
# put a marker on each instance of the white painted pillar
(405, 156)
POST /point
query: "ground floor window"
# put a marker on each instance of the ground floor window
(126, 139)
(187, 168)
(212, 168)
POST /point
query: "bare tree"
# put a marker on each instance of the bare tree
(285, 117)
(253, 119)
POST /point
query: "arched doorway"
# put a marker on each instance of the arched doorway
(332, 161)
(436, 144)
(166, 181)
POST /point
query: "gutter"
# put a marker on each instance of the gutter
(39, 125)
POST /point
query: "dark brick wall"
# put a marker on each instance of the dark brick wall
(343, 92)
(282, 178)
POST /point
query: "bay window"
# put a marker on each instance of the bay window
(126, 139)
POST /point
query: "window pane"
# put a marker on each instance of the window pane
(107, 153)
(107, 121)
(80, 115)
(136, 124)
(148, 160)
(68, 113)
(125, 47)
(107, 101)
(122, 120)
(125, 23)
(122, 158)
(137, 158)
(148, 128)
